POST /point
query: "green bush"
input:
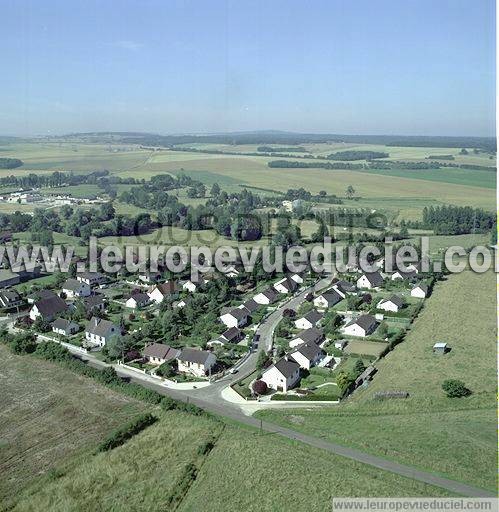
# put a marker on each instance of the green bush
(455, 388)
(121, 435)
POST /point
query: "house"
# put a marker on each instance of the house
(286, 285)
(250, 306)
(193, 284)
(237, 317)
(196, 362)
(399, 274)
(180, 304)
(149, 277)
(40, 294)
(297, 278)
(312, 335)
(344, 287)
(158, 353)
(137, 300)
(365, 376)
(420, 291)
(99, 331)
(362, 326)
(370, 280)
(393, 304)
(231, 335)
(162, 291)
(9, 278)
(47, 309)
(307, 355)
(92, 278)
(311, 319)
(10, 299)
(268, 296)
(440, 348)
(328, 299)
(94, 303)
(283, 375)
(340, 344)
(64, 327)
(74, 288)
(232, 272)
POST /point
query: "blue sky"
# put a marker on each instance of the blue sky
(338, 66)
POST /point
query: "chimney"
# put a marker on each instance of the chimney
(96, 321)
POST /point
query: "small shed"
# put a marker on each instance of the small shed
(440, 348)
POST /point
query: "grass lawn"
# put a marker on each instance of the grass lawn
(49, 415)
(368, 348)
(455, 437)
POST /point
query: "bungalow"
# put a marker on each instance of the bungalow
(250, 306)
(92, 278)
(196, 362)
(311, 319)
(399, 274)
(266, 297)
(162, 291)
(282, 375)
(307, 355)
(99, 331)
(393, 304)
(297, 278)
(362, 326)
(158, 353)
(39, 295)
(370, 280)
(193, 284)
(47, 309)
(231, 335)
(344, 287)
(10, 299)
(420, 291)
(137, 300)
(328, 299)
(237, 317)
(94, 303)
(74, 288)
(311, 335)
(286, 285)
(149, 277)
(64, 327)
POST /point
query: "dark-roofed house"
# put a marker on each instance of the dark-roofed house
(286, 285)
(232, 335)
(64, 327)
(283, 375)
(48, 309)
(327, 299)
(162, 291)
(393, 304)
(370, 280)
(74, 288)
(10, 299)
(311, 335)
(399, 274)
(40, 294)
(237, 317)
(307, 355)
(137, 300)
(266, 297)
(99, 331)
(420, 291)
(250, 305)
(94, 303)
(344, 287)
(158, 353)
(196, 362)
(311, 319)
(362, 326)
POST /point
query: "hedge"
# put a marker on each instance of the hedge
(121, 435)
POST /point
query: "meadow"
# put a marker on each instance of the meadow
(455, 437)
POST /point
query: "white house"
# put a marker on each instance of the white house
(64, 327)
(74, 288)
(92, 278)
(370, 280)
(158, 353)
(192, 285)
(286, 285)
(10, 299)
(196, 362)
(137, 300)
(237, 317)
(266, 297)
(99, 332)
(311, 319)
(283, 375)
(162, 291)
(311, 335)
(297, 278)
(362, 326)
(307, 355)
(393, 304)
(420, 291)
(48, 308)
(399, 274)
(328, 299)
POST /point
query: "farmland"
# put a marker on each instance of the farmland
(456, 438)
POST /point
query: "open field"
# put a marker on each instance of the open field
(456, 437)
(48, 416)
(368, 348)
(143, 474)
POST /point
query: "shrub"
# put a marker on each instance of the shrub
(52, 351)
(24, 343)
(260, 387)
(455, 388)
(120, 436)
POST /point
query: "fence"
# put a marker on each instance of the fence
(69, 346)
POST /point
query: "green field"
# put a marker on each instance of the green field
(453, 437)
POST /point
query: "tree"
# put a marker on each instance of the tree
(343, 380)
(455, 388)
(106, 211)
(463, 151)
(350, 192)
(358, 367)
(215, 190)
(109, 375)
(259, 387)
(383, 330)
(322, 193)
(262, 360)
(24, 343)
(165, 370)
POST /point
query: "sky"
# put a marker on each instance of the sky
(406, 67)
